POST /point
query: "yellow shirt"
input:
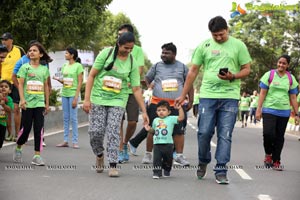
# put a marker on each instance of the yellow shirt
(9, 63)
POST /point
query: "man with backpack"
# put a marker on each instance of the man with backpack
(168, 78)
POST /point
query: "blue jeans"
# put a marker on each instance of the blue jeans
(70, 114)
(219, 113)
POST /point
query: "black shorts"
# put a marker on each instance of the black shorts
(132, 109)
(15, 95)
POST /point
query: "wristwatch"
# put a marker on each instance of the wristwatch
(233, 78)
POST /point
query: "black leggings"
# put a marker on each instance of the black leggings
(2, 134)
(273, 134)
(31, 116)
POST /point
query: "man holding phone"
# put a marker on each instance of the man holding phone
(223, 71)
(225, 61)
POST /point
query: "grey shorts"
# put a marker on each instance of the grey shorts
(132, 109)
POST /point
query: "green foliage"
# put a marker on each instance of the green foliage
(267, 37)
(82, 91)
(55, 23)
(53, 97)
(106, 34)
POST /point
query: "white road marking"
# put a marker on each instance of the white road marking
(243, 174)
(47, 134)
(212, 144)
(264, 197)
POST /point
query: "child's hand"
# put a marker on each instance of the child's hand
(296, 120)
(147, 127)
(177, 106)
(23, 104)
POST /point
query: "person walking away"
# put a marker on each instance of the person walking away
(253, 106)
(244, 108)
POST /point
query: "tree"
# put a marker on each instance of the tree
(55, 23)
(106, 35)
(267, 36)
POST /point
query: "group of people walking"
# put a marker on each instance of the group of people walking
(113, 92)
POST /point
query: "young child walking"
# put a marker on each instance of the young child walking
(34, 101)
(6, 106)
(162, 129)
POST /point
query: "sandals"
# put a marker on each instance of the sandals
(64, 144)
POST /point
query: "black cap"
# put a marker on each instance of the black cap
(6, 36)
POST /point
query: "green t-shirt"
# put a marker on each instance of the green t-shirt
(34, 80)
(138, 55)
(231, 54)
(254, 101)
(3, 114)
(110, 87)
(278, 93)
(196, 98)
(163, 128)
(70, 78)
(244, 103)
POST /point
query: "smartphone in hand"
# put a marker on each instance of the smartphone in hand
(223, 71)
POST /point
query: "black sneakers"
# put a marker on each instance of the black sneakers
(201, 171)
(221, 179)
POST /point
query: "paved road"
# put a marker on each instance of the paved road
(69, 173)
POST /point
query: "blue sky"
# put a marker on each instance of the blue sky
(182, 22)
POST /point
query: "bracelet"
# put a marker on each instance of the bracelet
(233, 78)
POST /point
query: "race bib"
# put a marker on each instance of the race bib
(169, 85)
(2, 113)
(112, 84)
(35, 87)
(68, 82)
(244, 104)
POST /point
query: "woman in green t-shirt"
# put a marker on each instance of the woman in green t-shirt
(72, 80)
(34, 101)
(277, 95)
(106, 97)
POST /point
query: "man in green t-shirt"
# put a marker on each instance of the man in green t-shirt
(132, 107)
(225, 60)
(253, 106)
(244, 108)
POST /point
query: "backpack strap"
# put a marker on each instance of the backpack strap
(109, 53)
(272, 73)
(289, 77)
(271, 77)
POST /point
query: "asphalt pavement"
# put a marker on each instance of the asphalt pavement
(69, 173)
